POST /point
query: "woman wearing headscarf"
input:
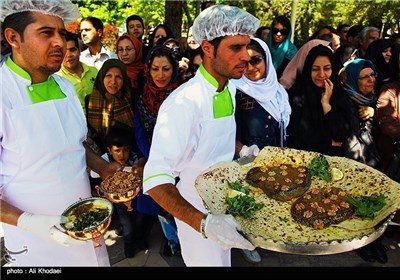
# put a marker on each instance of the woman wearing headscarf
(278, 41)
(262, 108)
(129, 51)
(358, 79)
(160, 31)
(320, 119)
(110, 106)
(262, 104)
(161, 73)
(295, 66)
(379, 52)
(110, 101)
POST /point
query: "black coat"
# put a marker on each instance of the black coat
(309, 129)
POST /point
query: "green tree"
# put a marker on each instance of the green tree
(311, 14)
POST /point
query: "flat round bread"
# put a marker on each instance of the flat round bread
(274, 224)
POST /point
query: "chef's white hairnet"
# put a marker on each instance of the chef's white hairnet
(64, 9)
(223, 20)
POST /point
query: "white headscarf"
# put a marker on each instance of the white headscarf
(268, 92)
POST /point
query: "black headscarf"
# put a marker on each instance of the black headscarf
(394, 63)
(312, 93)
(374, 53)
(309, 128)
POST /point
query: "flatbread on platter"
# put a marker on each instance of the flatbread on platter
(273, 224)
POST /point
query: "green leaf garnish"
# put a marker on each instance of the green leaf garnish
(237, 186)
(367, 206)
(242, 205)
(319, 167)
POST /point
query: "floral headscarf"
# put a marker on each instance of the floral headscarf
(152, 96)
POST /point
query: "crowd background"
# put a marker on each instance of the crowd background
(342, 58)
(308, 15)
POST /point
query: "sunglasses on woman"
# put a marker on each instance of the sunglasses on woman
(255, 60)
(282, 31)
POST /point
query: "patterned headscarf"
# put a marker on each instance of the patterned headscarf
(133, 69)
(105, 109)
(152, 96)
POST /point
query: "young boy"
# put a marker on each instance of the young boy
(120, 148)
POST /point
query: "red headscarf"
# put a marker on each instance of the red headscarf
(133, 69)
(152, 96)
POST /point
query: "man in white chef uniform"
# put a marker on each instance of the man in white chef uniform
(195, 129)
(42, 132)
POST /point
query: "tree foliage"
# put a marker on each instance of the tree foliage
(311, 14)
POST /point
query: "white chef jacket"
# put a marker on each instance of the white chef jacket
(43, 167)
(187, 140)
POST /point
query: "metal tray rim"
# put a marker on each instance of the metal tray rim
(319, 248)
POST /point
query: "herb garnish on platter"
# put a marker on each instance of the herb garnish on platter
(319, 166)
(239, 202)
(367, 206)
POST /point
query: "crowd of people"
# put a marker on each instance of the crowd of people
(171, 110)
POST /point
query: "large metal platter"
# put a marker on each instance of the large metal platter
(321, 248)
(277, 232)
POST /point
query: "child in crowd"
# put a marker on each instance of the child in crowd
(119, 148)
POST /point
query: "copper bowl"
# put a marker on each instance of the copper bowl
(119, 197)
(77, 211)
(124, 191)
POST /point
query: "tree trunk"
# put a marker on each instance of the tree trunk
(173, 17)
(187, 13)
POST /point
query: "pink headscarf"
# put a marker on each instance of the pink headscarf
(295, 66)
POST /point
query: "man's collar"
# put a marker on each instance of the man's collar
(210, 78)
(17, 69)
